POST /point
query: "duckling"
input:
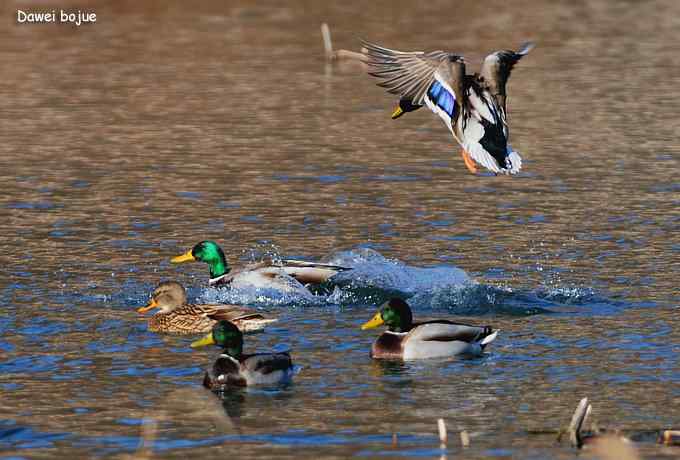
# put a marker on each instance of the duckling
(473, 107)
(437, 338)
(284, 274)
(177, 316)
(233, 367)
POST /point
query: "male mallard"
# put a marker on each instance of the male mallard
(437, 338)
(471, 106)
(259, 273)
(235, 368)
(176, 315)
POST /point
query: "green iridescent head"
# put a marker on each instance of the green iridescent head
(224, 334)
(395, 314)
(208, 252)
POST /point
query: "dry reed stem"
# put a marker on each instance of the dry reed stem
(464, 439)
(577, 421)
(443, 435)
(339, 55)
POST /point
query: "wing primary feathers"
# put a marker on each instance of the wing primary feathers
(473, 104)
(407, 74)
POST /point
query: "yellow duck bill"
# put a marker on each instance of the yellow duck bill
(207, 340)
(397, 113)
(186, 257)
(374, 322)
(153, 304)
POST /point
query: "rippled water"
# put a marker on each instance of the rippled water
(125, 142)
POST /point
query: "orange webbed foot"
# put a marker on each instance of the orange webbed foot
(468, 161)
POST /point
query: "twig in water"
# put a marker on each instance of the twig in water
(443, 436)
(577, 421)
(338, 55)
(327, 43)
(464, 438)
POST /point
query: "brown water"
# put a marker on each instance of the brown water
(127, 141)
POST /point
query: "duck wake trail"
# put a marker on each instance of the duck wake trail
(375, 278)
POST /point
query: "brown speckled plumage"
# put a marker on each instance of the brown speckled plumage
(193, 319)
(175, 315)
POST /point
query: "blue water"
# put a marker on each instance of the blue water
(127, 141)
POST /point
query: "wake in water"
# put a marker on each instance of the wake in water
(375, 278)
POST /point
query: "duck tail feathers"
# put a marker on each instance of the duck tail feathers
(514, 160)
(488, 339)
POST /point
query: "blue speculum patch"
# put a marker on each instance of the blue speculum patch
(441, 97)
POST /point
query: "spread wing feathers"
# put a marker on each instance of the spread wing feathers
(485, 132)
(404, 73)
(447, 331)
(496, 69)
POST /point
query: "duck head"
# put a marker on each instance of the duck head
(405, 105)
(208, 252)
(224, 334)
(395, 314)
(168, 296)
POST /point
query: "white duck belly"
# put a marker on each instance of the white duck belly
(433, 349)
(268, 278)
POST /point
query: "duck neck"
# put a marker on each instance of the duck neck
(218, 267)
(401, 327)
(235, 351)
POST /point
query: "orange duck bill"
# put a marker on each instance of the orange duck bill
(150, 306)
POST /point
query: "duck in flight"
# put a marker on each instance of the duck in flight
(471, 106)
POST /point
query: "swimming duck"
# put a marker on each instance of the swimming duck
(471, 106)
(238, 369)
(178, 316)
(284, 274)
(437, 338)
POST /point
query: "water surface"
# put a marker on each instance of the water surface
(125, 142)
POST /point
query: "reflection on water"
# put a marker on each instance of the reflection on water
(161, 125)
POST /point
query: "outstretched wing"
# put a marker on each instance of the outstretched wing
(404, 73)
(496, 70)
(416, 76)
